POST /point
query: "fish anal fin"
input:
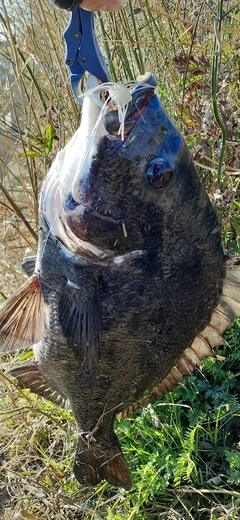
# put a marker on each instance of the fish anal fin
(21, 317)
(80, 317)
(29, 376)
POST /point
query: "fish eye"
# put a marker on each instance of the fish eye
(159, 172)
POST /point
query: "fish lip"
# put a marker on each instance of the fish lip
(141, 96)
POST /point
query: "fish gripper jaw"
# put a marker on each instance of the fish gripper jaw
(82, 50)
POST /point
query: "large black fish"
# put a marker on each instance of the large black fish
(130, 289)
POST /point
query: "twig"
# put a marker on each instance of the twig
(203, 491)
(215, 69)
(188, 59)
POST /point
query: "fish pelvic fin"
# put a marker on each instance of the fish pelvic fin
(21, 317)
(227, 309)
(93, 464)
(80, 317)
(29, 376)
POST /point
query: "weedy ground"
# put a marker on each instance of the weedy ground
(183, 451)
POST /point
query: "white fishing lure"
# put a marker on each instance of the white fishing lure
(119, 94)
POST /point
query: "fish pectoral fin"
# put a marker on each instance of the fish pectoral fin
(80, 318)
(92, 465)
(29, 376)
(21, 317)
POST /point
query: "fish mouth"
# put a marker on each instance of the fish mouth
(140, 97)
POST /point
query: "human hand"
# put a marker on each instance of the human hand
(102, 5)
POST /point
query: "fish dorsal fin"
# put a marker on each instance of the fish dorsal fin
(203, 345)
(29, 376)
(80, 318)
(21, 317)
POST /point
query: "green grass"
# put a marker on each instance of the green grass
(183, 451)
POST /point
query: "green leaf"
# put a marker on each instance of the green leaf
(48, 139)
(30, 153)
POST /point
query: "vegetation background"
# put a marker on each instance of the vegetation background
(183, 451)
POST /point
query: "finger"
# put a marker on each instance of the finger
(102, 5)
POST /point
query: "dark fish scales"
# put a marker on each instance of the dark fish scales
(131, 288)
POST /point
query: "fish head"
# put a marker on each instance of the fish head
(113, 188)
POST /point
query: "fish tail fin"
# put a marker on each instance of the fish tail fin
(116, 472)
(93, 464)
